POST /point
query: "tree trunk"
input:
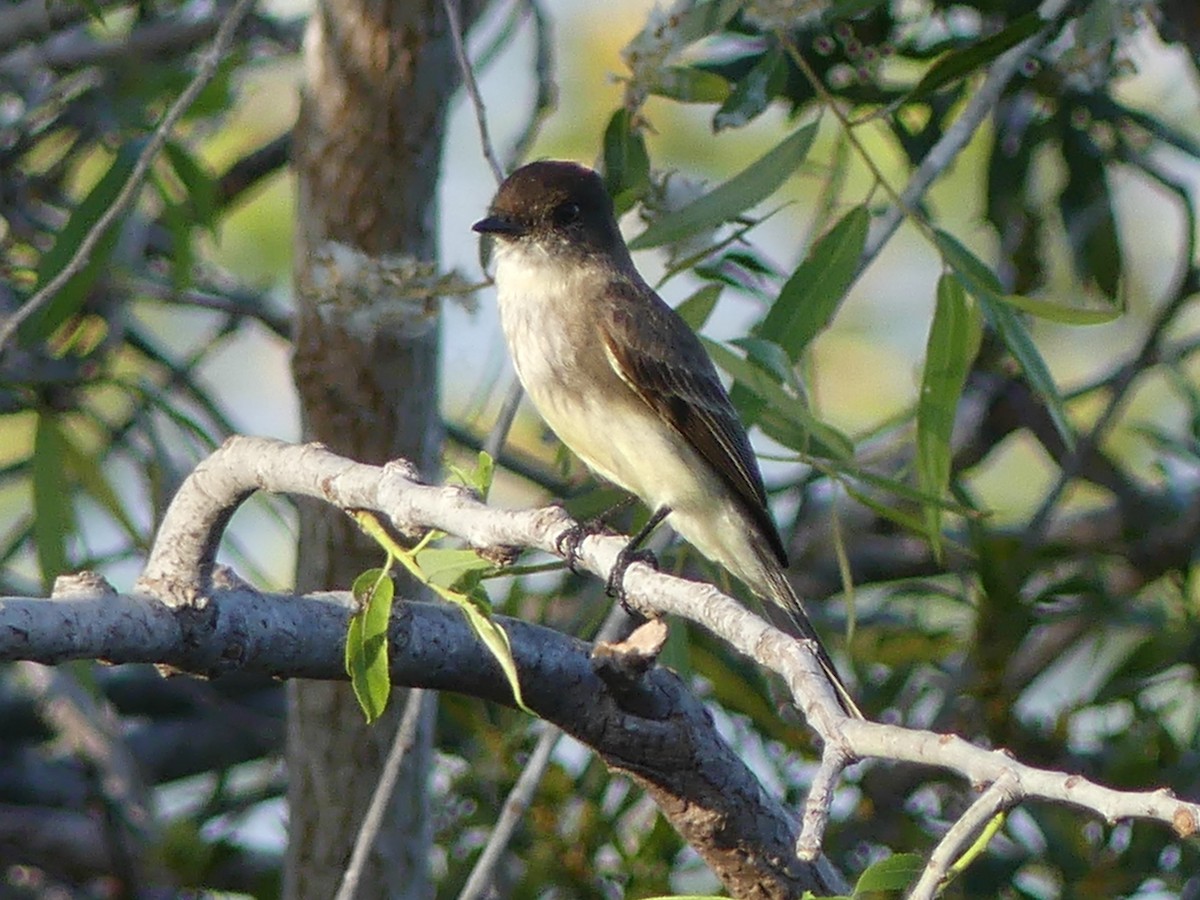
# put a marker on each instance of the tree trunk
(379, 76)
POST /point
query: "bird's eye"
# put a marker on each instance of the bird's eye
(566, 213)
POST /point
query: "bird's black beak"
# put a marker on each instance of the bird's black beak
(501, 225)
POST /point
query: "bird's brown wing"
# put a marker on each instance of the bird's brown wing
(655, 352)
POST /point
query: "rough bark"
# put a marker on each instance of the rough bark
(379, 75)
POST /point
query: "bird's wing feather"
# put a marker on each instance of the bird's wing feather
(641, 342)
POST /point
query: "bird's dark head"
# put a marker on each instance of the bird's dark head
(556, 206)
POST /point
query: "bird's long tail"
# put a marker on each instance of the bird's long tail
(784, 595)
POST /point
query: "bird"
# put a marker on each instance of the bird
(626, 384)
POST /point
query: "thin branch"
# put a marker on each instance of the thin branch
(1002, 794)
(468, 76)
(504, 421)
(207, 69)
(521, 795)
(406, 735)
(545, 100)
(819, 801)
(515, 804)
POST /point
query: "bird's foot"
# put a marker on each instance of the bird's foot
(568, 542)
(615, 586)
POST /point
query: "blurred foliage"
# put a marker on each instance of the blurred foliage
(1068, 636)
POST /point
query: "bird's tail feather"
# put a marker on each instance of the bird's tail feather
(784, 596)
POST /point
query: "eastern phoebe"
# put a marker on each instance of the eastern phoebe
(625, 383)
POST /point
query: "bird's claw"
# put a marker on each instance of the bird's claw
(615, 586)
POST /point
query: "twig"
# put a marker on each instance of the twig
(209, 62)
(508, 412)
(1002, 794)
(518, 799)
(515, 804)
(546, 98)
(464, 64)
(820, 798)
(406, 735)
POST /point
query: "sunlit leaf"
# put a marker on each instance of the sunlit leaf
(741, 192)
(367, 642)
(953, 342)
(687, 84)
(809, 298)
(443, 566)
(895, 873)
(1067, 314)
(479, 478)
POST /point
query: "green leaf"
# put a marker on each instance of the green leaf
(953, 342)
(809, 298)
(626, 162)
(687, 84)
(86, 467)
(983, 285)
(892, 874)
(70, 298)
(746, 189)
(495, 639)
(753, 94)
(200, 185)
(958, 63)
(180, 226)
(478, 479)
(445, 566)
(696, 309)
(53, 512)
(781, 415)
(367, 642)
(1067, 314)
(1086, 205)
(703, 19)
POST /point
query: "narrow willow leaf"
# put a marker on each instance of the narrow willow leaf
(754, 92)
(496, 640)
(1086, 204)
(696, 309)
(69, 300)
(741, 192)
(626, 162)
(688, 84)
(200, 185)
(953, 342)
(809, 298)
(1067, 314)
(805, 432)
(984, 286)
(895, 873)
(959, 63)
(53, 513)
(367, 642)
(86, 467)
